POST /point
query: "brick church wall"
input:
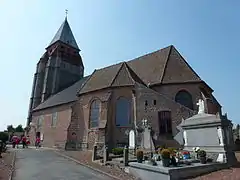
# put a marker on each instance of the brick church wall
(150, 112)
(53, 136)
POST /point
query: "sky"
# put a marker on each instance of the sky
(206, 33)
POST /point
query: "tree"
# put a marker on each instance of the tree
(19, 128)
(10, 128)
(4, 136)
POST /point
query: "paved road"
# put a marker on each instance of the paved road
(32, 164)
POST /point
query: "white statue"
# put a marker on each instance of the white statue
(201, 107)
(144, 122)
(220, 136)
(185, 137)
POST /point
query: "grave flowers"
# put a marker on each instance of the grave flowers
(165, 153)
(178, 156)
(196, 150)
(186, 155)
(202, 156)
(139, 156)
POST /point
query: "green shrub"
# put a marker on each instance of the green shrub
(117, 151)
(3, 136)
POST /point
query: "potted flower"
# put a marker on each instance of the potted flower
(165, 153)
(139, 156)
(186, 155)
(195, 150)
(202, 156)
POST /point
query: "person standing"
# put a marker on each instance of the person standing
(13, 140)
(24, 141)
(17, 141)
(27, 141)
(37, 142)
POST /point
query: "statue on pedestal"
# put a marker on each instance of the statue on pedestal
(201, 108)
(220, 136)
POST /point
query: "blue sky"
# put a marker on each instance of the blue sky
(205, 32)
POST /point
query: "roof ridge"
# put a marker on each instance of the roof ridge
(117, 73)
(187, 64)
(78, 92)
(127, 61)
(129, 74)
(165, 65)
(130, 71)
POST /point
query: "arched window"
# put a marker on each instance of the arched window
(123, 112)
(185, 98)
(94, 114)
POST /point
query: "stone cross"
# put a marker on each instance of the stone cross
(200, 105)
(66, 11)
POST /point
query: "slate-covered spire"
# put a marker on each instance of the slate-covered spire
(65, 35)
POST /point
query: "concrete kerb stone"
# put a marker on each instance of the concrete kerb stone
(90, 167)
(12, 170)
(47, 148)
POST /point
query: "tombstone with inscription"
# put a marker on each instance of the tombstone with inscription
(212, 133)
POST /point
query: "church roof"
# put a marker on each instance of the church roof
(151, 69)
(66, 96)
(114, 76)
(65, 35)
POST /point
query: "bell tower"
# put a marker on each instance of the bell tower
(60, 67)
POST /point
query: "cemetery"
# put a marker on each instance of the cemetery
(206, 141)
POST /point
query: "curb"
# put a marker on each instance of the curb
(45, 148)
(12, 166)
(90, 167)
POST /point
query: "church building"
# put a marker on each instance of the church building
(70, 110)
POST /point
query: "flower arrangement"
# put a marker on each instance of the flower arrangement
(179, 155)
(196, 149)
(165, 154)
(186, 153)
(202, 153)
(139, 156)
(202, 156)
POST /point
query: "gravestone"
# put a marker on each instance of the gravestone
(146, 139)
(132, 139)
(211, 133)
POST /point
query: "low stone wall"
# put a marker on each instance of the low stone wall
(148, 172)
(75, 146)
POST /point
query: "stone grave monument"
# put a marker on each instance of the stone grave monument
(132, 139)
(146, 137)
(132, 144)
(179, 136)
(212, 133)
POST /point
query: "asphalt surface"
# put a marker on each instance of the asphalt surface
(39, 164)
